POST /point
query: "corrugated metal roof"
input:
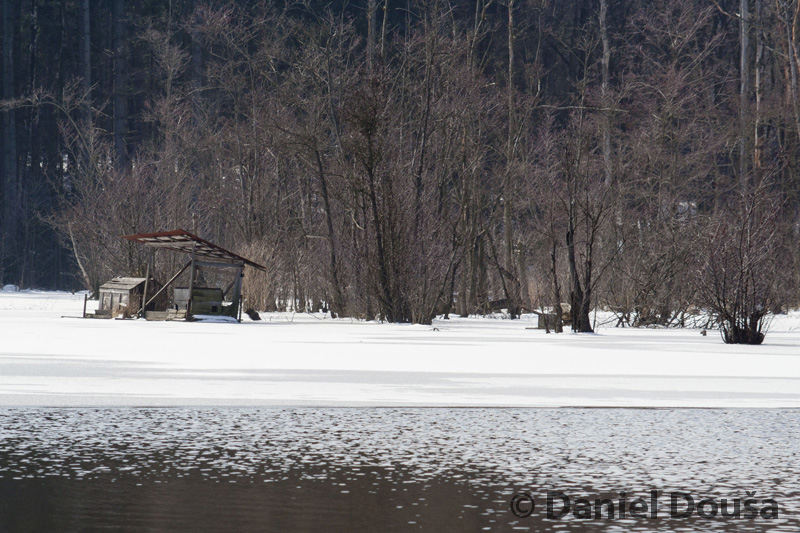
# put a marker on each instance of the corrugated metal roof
(122, 284)
(182, 241)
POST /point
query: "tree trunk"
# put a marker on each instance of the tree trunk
(120, 98)
(744, 38)
(522, 276)
(579, 301)
(383, 29)
(791, 74)
(387, 303)
(8, 253)
(759, 67)
(604, 88)
(197, 68)
(337, 304)
(372, 10)
(512, 285)
(559, 325)
(86, 52)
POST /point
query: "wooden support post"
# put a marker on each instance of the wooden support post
(241, 297)
(85, 297)
(237, 293)
(167, 284)
(191, 282)
(146, 284)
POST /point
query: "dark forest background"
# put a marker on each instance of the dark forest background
(399, 159)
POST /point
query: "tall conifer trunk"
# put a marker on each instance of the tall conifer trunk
(10, 178)
(120, 83)
(744, 89)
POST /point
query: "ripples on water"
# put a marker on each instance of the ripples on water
(383, 469)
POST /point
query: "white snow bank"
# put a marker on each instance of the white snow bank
(300, 359)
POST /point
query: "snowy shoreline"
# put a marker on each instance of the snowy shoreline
(311, 360)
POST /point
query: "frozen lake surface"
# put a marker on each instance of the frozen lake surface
(312, 360)
(303, 423)
(393, 469)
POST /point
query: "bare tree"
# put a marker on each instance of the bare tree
(739, 273)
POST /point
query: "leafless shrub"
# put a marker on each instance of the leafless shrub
(739, 273)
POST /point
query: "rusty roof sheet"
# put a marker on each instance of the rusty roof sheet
(182, 241)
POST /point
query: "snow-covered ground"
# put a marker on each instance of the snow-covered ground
(301, 359)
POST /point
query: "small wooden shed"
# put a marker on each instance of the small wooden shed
(194, 300)
(123, 296)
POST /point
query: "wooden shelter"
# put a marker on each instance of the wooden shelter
(194, 300)
(124, 297)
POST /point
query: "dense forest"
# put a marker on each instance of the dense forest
(401, 159)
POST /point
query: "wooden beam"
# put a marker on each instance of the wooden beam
(208, 264)
(173, 278)
(229, 287)
(146, 283)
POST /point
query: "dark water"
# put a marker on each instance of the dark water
(390, 469)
